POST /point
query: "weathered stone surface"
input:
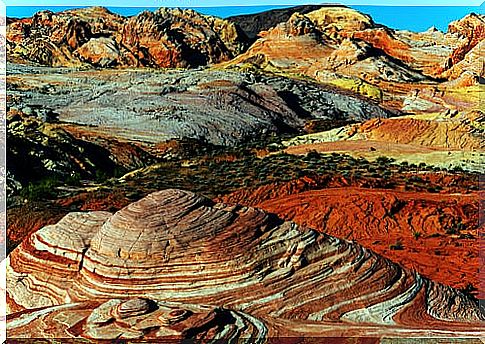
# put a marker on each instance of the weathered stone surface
(96, 320)
(472, 27)
(220, 107)
(97, 37)
(174, 245)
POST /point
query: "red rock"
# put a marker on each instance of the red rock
(473, 28)
(378, 218)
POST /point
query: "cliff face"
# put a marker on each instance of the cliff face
(472, 27)
(174, 245)
(167, 38)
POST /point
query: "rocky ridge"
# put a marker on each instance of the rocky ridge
(166, 38)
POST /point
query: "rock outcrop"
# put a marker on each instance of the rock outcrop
(40, 150)
(95, 36)
(451, 139)
(253, 24)
(217, 106)
(329, 43)
(135, 319)
(472, 27)
(173, 245)
(37, 150)
(345, 48)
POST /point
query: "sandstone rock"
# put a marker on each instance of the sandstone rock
(456, 134)
(174, 245)
(96, 320)
(469, 70)
(340, 18)
(336, 39)
(95, 36)
(38, 150)
(101, 52)
(421, 221)
(220, 107)
(254, 24)
(472, 27)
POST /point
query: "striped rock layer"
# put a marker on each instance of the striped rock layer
(135, 319)
(178, 247)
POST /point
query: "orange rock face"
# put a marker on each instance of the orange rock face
(473, 28)
(453, 135)
(175, 246)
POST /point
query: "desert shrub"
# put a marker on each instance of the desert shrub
(384, 161)
(73, 179)
(397, 246)
(43, 189)
(101, 176)
(313, 155)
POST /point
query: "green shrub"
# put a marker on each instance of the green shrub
(43, 189)
(73, 179)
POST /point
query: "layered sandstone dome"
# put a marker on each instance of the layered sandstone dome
(174, 245)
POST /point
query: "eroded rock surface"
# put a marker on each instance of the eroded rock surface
(174, 245)
(217, 106)
(94, 36)
(137, 318)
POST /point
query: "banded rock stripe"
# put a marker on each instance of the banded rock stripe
(176, 246)
(137, 318)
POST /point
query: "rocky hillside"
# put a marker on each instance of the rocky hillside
(253, 24)
(216, 106)
(166, 38)
(345, 48)
(41, 154)
(175, 246)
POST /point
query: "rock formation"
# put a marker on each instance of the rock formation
(317, 44)
(175, 246)
(345, 48)
(253, 24)
(39, 150)
(135, 319)
(94, 36)
(472, 27)
(217, 106)
(451, 139)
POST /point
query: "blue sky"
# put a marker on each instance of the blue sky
(211, 3)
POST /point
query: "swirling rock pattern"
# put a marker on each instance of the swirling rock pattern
(146, 319)
(174, 245)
